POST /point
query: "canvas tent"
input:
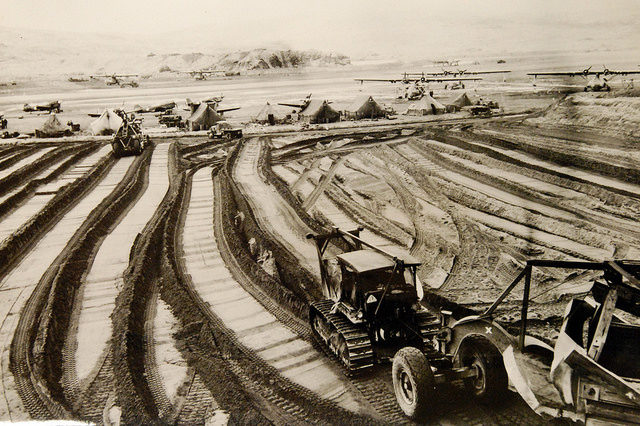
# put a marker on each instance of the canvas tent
(266, 115)
(109, 122)
(52, 128)
(364, 107)
(318, 111)
(203, 118)
(425, 106)
(462, 100)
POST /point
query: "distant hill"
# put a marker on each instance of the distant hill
(32, 53)
(245, 60)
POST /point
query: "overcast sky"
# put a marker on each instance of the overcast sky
(344, 25)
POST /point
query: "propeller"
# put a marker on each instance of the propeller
(586, 71)
(606, 71)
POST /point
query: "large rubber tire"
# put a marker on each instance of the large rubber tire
(491, 383)
(137, 147)
(413, 382)
(117, 149)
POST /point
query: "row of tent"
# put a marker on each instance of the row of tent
(428, 105)
(317, 111)
(365, 106)
(321, 111)
(202, 118)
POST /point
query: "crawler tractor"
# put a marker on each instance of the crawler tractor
(129, 139)
(372, 303)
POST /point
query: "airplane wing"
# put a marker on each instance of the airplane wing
(624, 72)
(451, 79)
(221, 110)
(295, 105)
(569, 74)
(391, 80)
(486, 72)
(421, 79)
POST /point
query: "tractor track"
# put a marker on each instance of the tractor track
(14, 156)
(59, 220)
(17, 178)
(484, 214)
(18, 196)
(48, 209)
(34, 158)
(7, 150)
(539, 159)
(47, 315)
(378, 391)
(550, 199)
(106, 258)
(281, 394)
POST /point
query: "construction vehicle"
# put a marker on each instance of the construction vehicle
(591, 376)
(224, 130)
(170, 120)
(372, 303)
(129, 139)
(53, 106)
(480, 110)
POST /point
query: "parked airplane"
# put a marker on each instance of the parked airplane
(167, 106)
(597, 84)
(301, 105)
(456, 73)
(115, 79)
(53, 106)
(213, 101)
(205, 74)
(408, 78)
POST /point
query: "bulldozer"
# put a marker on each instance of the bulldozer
(129, 139)
(371, 306)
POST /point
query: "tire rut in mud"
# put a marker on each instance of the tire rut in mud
(26, 172)
(262, 379)
(25, 237)
(37, 345)
(15, 200)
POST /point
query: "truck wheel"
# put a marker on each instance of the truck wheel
(491, 381)
(413, 382)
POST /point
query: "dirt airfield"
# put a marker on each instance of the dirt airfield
(173, 287)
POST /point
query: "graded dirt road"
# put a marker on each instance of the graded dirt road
(104, 280)
(253, 325)
(16, 286)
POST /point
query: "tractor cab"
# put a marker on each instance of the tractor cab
(371, 307)
(369, 276)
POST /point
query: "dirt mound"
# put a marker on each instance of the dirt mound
(619, 114)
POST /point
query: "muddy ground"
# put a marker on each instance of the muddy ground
(187, 274)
